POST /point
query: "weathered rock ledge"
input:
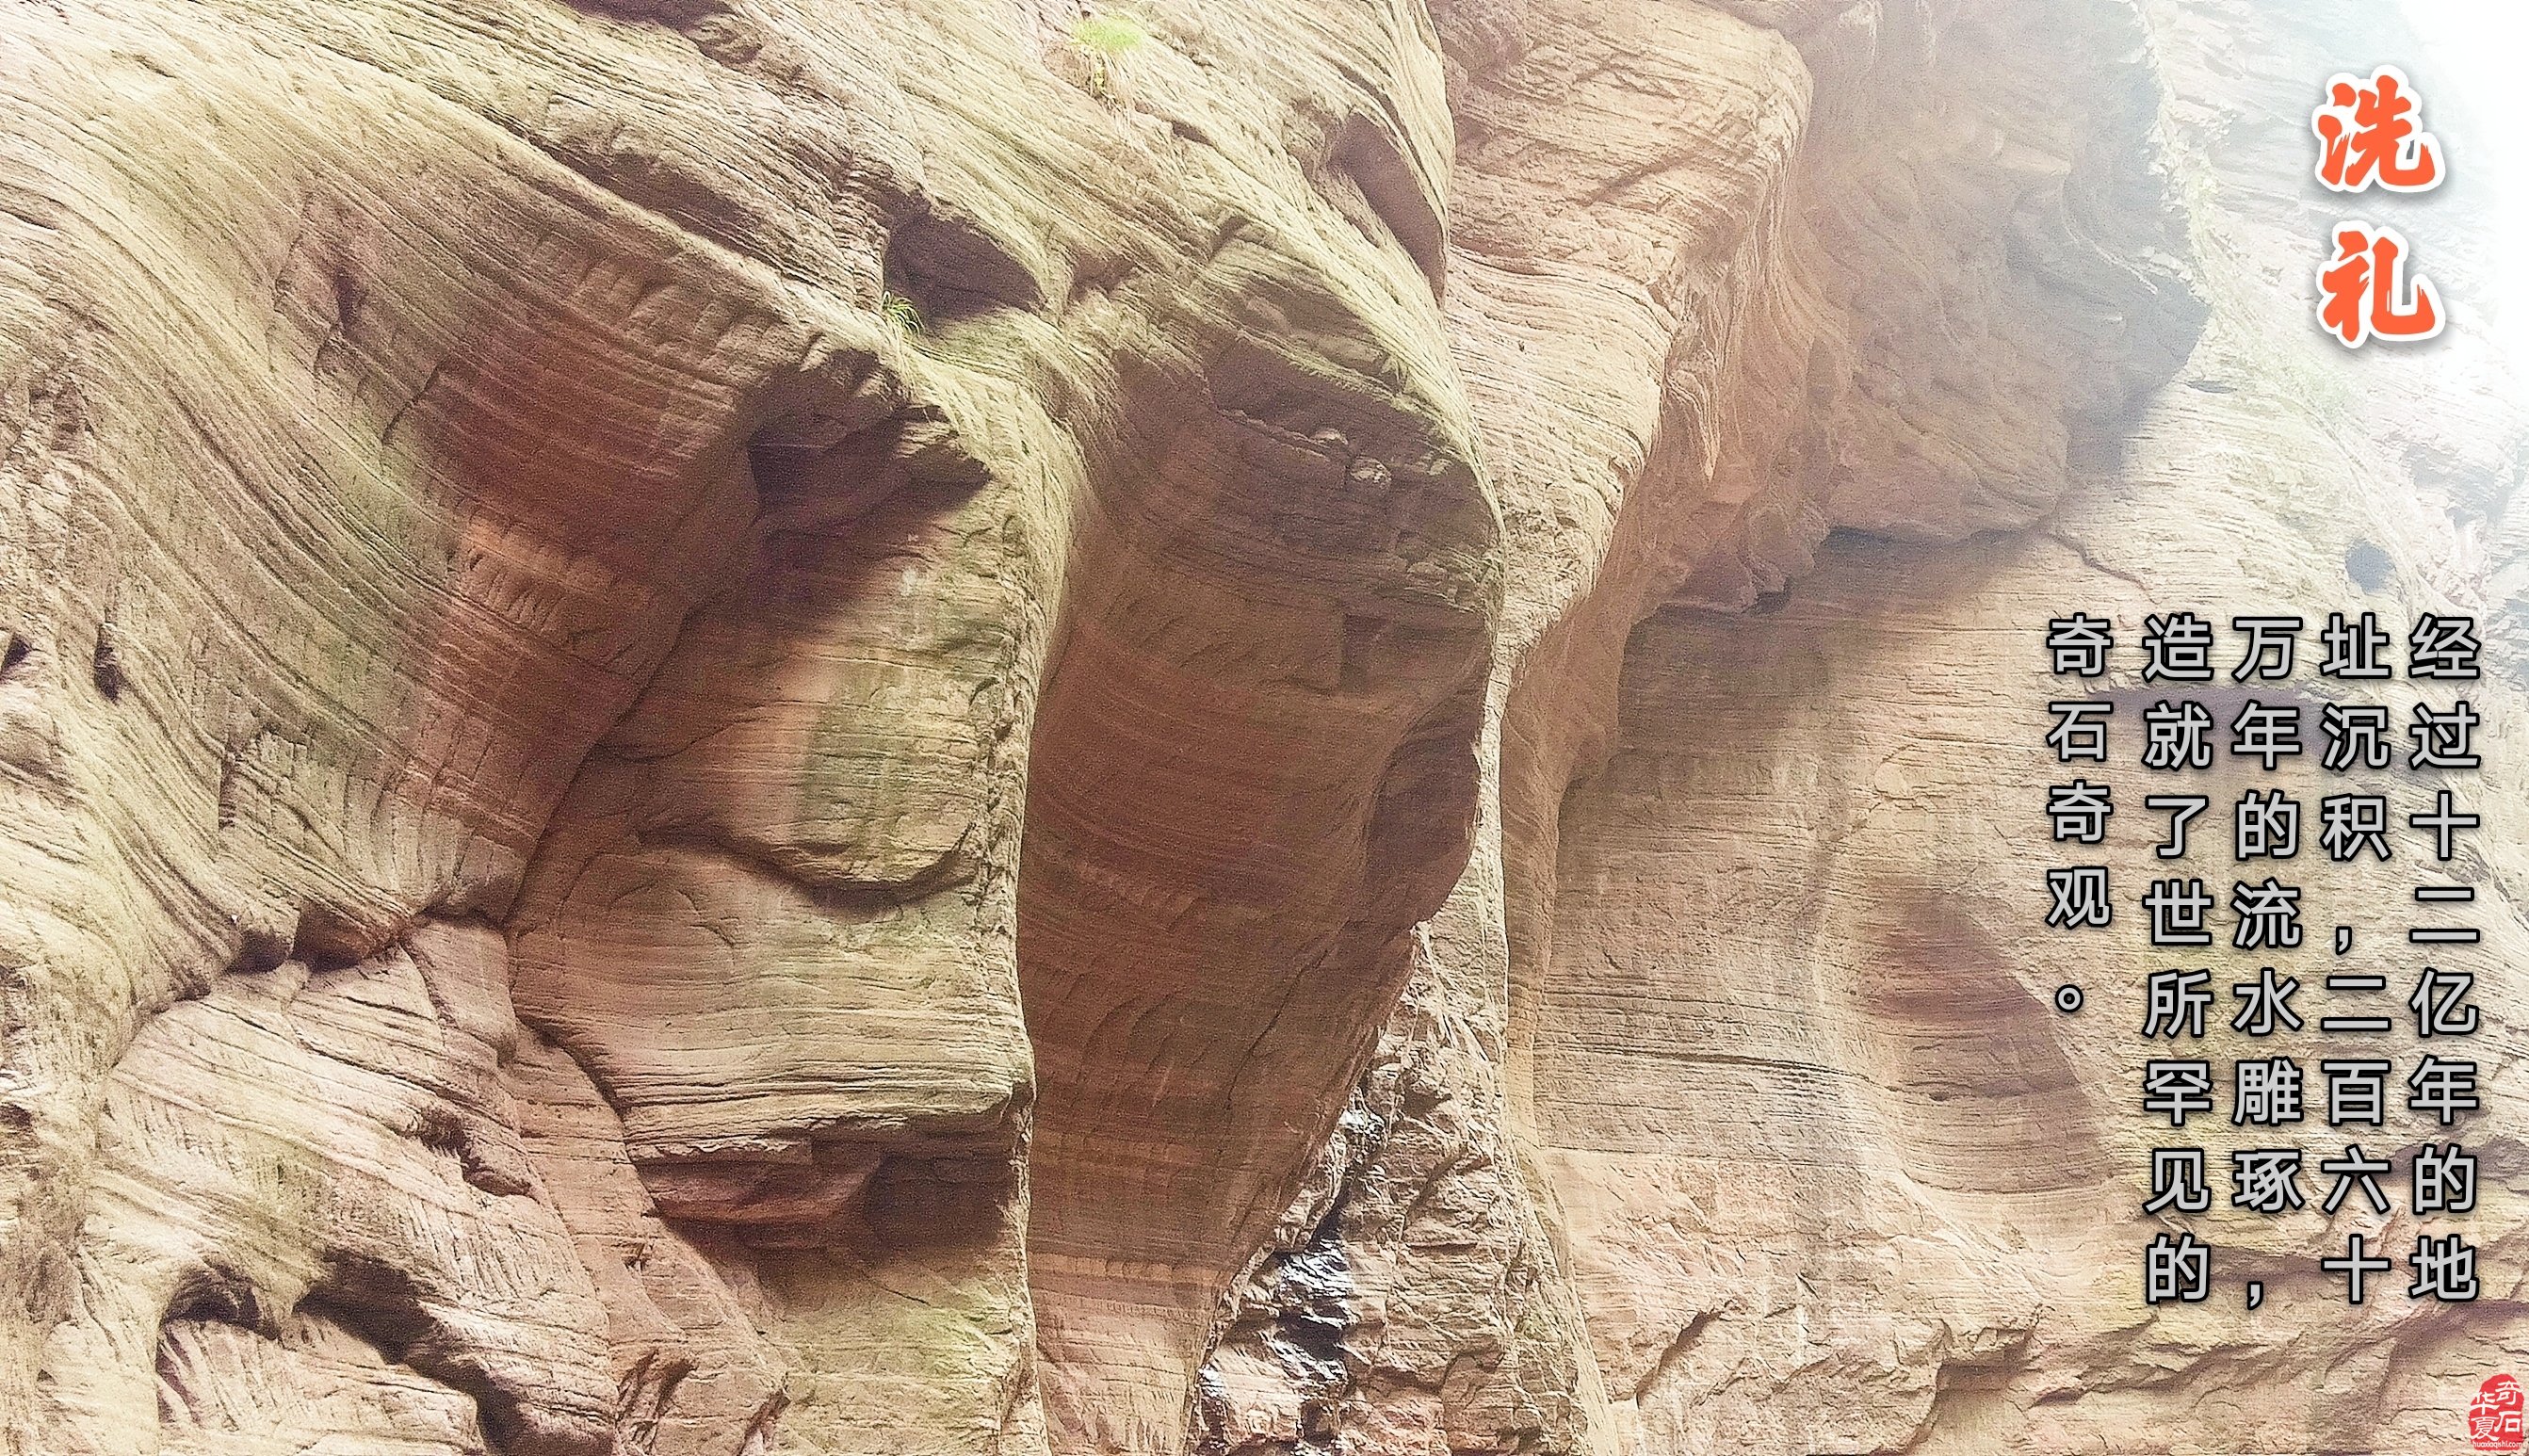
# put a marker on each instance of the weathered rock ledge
(734, 727)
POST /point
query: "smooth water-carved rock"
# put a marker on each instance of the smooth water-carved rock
(734, 727)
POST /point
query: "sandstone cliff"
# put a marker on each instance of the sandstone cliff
(734, 727)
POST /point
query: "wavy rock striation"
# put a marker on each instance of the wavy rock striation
(734, 727)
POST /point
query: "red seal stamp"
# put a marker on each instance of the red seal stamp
(2493, 1417)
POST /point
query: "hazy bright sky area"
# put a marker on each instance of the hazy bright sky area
(2483, 46)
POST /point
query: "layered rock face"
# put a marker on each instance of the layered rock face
(773, 725)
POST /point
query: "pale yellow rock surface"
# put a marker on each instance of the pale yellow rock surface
(733, 726)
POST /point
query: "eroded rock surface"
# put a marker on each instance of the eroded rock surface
(734, 727)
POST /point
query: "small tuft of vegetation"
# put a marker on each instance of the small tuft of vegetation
(1104, 40)
(901, 312)
(1110, 33)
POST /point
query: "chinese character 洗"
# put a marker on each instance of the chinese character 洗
(2371, 134)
